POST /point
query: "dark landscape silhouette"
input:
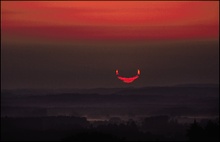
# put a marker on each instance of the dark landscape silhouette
(187, 112)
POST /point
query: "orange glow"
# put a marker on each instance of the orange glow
(116, 72)
(128, 79)
(139, 72)
(115, 20)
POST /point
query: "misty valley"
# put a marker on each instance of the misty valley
(149, 113)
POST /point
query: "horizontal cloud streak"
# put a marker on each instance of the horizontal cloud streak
(111, 20)
(119, 33)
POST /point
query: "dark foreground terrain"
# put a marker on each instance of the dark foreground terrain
(64, 128)
(152, 113)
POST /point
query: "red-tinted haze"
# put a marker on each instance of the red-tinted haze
(143, 20)
(79, 44)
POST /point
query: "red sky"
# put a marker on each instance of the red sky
(142, 20)
(81, 44)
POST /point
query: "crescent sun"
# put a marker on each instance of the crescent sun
(128, 79)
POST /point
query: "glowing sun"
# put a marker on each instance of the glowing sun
(128, 79)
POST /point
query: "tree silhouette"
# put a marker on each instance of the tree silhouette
(209, 133)
(195, 132)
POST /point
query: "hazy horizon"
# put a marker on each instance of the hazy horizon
(123, 87)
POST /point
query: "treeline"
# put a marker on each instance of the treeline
(63, 128)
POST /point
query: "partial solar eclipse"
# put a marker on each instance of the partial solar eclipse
(128, 79)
